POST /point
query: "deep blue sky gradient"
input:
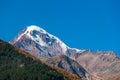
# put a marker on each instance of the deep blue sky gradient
(83, 24)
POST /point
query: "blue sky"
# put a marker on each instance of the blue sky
(83, 24)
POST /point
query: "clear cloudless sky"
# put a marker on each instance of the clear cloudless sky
(83, 24)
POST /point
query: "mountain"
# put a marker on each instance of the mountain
(40, 43)
(102, 65)
(16, 64)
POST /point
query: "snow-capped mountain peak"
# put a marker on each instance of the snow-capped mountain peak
(34, 39)
(41, 40)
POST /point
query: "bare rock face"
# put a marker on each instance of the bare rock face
(102, 64)
(67, 64)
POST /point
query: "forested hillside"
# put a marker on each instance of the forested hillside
(17, 65)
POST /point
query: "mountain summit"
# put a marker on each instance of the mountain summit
(40, 43)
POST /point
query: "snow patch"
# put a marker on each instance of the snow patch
(37, 28)
(40, 41)
(77, 50)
